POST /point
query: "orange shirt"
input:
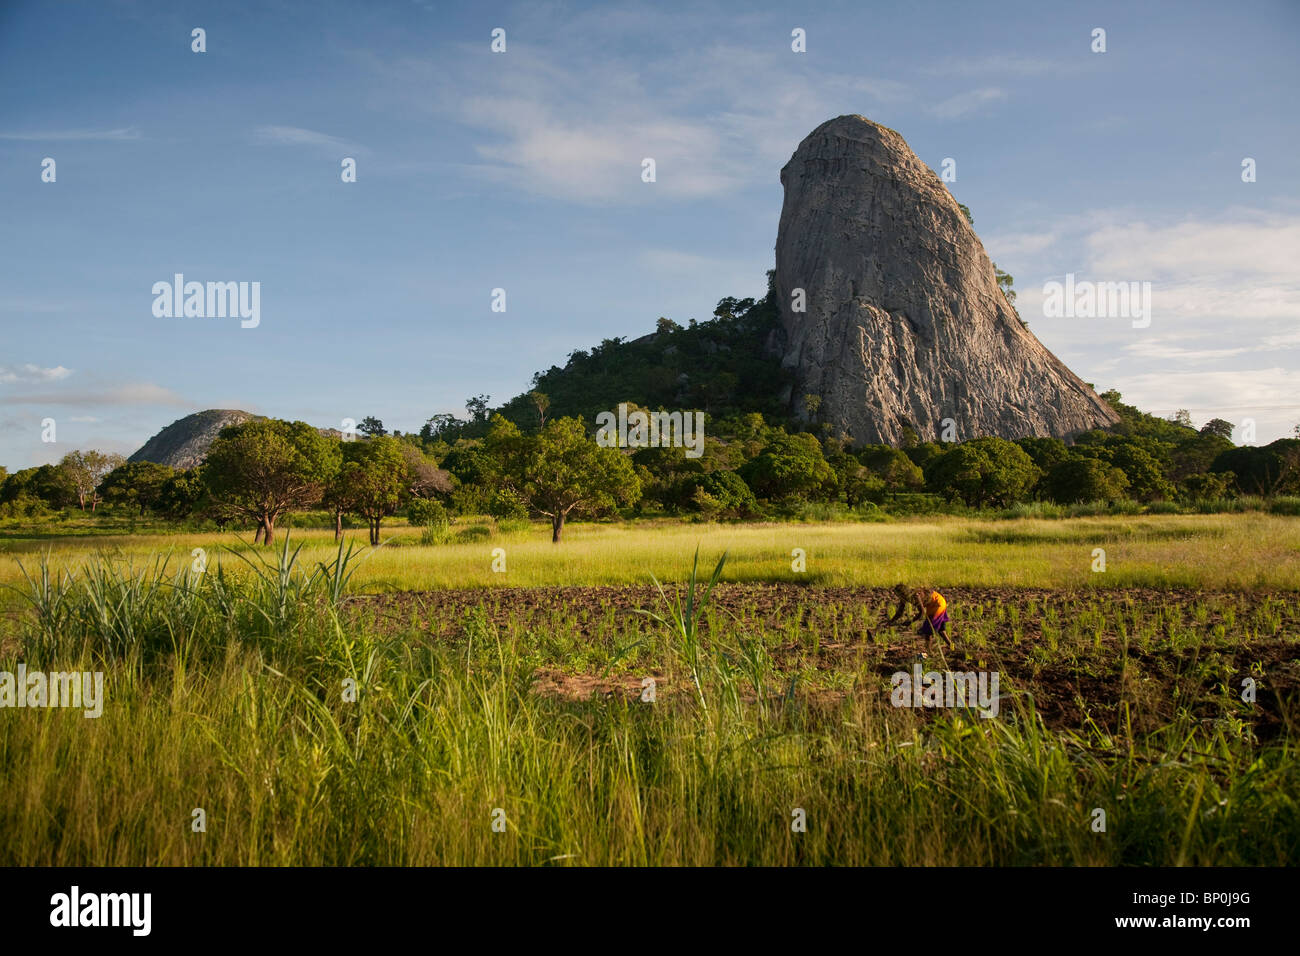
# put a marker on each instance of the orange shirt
(935, 605)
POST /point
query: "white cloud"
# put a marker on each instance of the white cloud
(1264, 394)
(30, 374)
(1260, 244)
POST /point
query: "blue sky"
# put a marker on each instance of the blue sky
(521, 170)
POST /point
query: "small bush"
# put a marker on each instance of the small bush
(424, 512)
(475, 532)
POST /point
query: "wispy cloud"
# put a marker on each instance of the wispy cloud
(142, 393)
(994, 65)
(570, 121)
(31, 374)
(298, 136)
(971, 101)
(75, 134)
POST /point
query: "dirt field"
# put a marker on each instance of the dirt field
(1080, 655)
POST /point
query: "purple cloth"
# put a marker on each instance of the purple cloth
(934, 624)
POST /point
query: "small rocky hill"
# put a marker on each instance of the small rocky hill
(185, 442)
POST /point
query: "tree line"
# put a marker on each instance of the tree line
(259, 471)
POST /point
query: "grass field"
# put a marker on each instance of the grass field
(1217, 551)
(505, 718)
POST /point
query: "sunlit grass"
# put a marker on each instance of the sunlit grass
(1217, 551)
(226, 692)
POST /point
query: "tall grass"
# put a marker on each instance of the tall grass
(229, 694)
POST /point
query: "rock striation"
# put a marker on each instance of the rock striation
(904, 324)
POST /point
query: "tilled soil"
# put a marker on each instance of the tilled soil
(1178, 663)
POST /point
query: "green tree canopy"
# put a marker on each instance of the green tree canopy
(136, 484)
(264, 468)
(560, 471)
(1084, 478)
(984, 471)
(373, 479)
(788, 466)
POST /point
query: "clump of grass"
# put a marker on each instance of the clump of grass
(683, 621)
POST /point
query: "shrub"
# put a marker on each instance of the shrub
(433, 517)
(424, 512)
(719, 492)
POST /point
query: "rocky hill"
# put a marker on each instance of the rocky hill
(185, 442)
(903, 323)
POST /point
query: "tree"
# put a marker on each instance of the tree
(372, 427)
(375, 476)
(1196, 455)
(478, 407)
(424, 478)
(138, 484)
(1207, 486)
(985, 471)
(1006, 283)
(541, 403)
(30, 490)
(181, 494)
(812, 405)
(1146, 479)
(1273, 469)
(560, 471)
(1080, 478)
(86, 470)
(265, 468)
(1044, 452)
(1217, 426)
(789, 466)
(719, 493)
(440, 426)
(1181, 418)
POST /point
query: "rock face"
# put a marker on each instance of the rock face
(185, 442)
(905, 324)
